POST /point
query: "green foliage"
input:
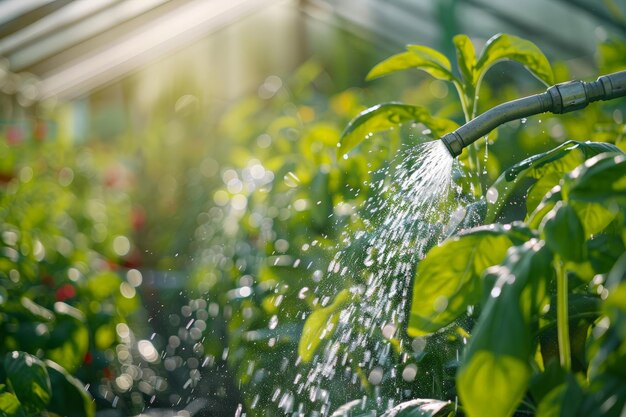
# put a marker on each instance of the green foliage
(320, 325)
(59, 222)
(27, 377)
(536, 301)
(509, 47)
(448, 279)
(386, 116)
(501, 344)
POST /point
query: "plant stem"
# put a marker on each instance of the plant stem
(562, 319)
(468, 106)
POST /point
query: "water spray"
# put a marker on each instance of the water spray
(560, 98)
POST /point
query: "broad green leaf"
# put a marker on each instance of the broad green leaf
(564, 233)
(508, 47)
(505, 375)
(594, 217)
(69, 396)
(417, 57)
(28, 377)
(386, 116)
(448, 278)
(500, 349)
(466, 58)
(600, 179)
(320, 325)
(560, 160)
(10, 406)
(421, 408)
(538, 190)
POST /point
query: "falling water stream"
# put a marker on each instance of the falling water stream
(409, 212)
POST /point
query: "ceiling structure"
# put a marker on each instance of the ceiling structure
(73, 47)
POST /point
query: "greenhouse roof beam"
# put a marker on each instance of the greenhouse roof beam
(79, 32)
(63, 17)
(160, 36)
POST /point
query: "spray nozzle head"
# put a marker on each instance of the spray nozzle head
(454, 143)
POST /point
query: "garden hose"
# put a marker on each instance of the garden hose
(560, 98)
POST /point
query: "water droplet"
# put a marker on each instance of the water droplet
(376, 375)
(409, 372)
(492, 195)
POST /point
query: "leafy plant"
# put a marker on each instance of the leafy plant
(60, 298)
(536, 298)
(467, 82)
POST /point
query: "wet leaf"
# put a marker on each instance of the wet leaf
(421, 408)
(558, 161)
(466, 58)
(28, 377)
(593, 216)
(417, 57)
(320, 325)
(500, 349)
(564, 233)
(386, 116)
(508, 47)
(69, 396)
(448, 278)
(600, 179)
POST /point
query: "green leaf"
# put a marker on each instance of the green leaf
(10, 406)
(421, 408)
(564, 233)
(448, 278)
(558, 161)
(508, 47)
(541, 188)
(320, 325)
(386, 116)
(466, 58)
(600, 179)
(28, 378)
(418, 57)
(69, 396)
(499, 352)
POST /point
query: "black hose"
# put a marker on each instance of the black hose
(560, 98)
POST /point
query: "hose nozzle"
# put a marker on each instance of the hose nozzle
(560, 98)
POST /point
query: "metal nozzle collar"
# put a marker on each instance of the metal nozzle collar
(454, 143)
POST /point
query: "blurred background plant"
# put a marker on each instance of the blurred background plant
(171, 199)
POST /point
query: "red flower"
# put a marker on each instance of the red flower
(88, 359)
(65, 292)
